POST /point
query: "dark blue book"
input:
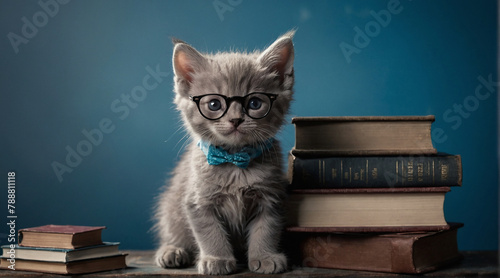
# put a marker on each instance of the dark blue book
(374, 171)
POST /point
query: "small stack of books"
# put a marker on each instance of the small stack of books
(62, 249)
(367, 193)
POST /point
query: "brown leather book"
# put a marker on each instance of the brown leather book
(61, 236)
(376, 135)
(412, 253)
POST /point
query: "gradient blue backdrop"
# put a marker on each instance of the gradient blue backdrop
(75, 62)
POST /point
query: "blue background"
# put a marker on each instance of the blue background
(426, 60)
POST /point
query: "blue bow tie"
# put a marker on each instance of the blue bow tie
(217, 155)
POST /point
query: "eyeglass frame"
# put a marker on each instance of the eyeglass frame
(229, 100)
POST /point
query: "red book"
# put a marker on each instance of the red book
(60, 236)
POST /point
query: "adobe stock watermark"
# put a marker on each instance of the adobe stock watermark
(30, 28)
(223, 6)
(464, 109)
(454, 116)
(319, 255)
(10, 255)
(363, 37)
(121, 107)
(309, 261)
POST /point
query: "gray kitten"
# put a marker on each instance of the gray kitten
(212, 210)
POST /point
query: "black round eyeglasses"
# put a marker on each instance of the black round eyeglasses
(215, 106)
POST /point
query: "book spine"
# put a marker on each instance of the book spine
(354, 252)
(375, 171)
(402, 255)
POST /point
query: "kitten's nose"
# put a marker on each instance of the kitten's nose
(236, 121)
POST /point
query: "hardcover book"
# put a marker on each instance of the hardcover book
(60, 236)
(63, 255)
(411, 253)
(376, 135)
(374, 171)
(75, 267)
(379, 209)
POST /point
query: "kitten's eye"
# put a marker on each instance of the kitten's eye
(255, 103)
(214, 105)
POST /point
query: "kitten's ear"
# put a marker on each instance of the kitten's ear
(186, 60)
(279, 56)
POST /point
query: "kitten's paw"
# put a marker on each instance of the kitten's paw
(209, 265)
(172, 257)
(268, 263)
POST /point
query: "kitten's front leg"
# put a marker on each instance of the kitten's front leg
(263, 239)
(216, 254)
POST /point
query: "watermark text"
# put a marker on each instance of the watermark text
(10, 256)
(30, 28)
(94, 137)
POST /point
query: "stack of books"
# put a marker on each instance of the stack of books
(62, 249)
(367, 193)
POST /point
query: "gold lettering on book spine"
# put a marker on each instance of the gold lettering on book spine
(366, 172)
(444, 172)
(324, 173)
(374, 173)
(320, 174)
(433, 172)
(341, 172)
(397, 171)
(334, 173)
(420, 172)
(410, 171)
